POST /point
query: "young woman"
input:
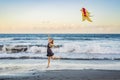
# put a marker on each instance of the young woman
(50, 54)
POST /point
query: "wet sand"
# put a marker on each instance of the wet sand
(87, 74)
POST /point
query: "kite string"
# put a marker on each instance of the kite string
(48, 36)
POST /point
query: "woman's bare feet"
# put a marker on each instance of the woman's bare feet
(56, 58)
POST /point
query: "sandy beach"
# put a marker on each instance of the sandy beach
(68, 75)
(35, 69)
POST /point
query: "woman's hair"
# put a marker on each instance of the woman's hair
(52, 40)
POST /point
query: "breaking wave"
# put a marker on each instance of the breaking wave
(63, 48)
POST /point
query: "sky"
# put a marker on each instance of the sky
(59, 16)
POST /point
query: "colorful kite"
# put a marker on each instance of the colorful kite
(85, 15)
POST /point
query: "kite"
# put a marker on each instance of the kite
(85, 15)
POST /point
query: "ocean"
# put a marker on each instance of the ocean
(70, 46)
(24, 53)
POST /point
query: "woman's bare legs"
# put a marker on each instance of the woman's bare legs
(48, 62)
(52, 57)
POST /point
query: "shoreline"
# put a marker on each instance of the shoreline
(85, 74)
(34, 57)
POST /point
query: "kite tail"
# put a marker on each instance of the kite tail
(88, 18)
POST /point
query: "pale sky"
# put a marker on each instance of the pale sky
(59, 16)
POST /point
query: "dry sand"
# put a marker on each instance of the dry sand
(68, 75)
